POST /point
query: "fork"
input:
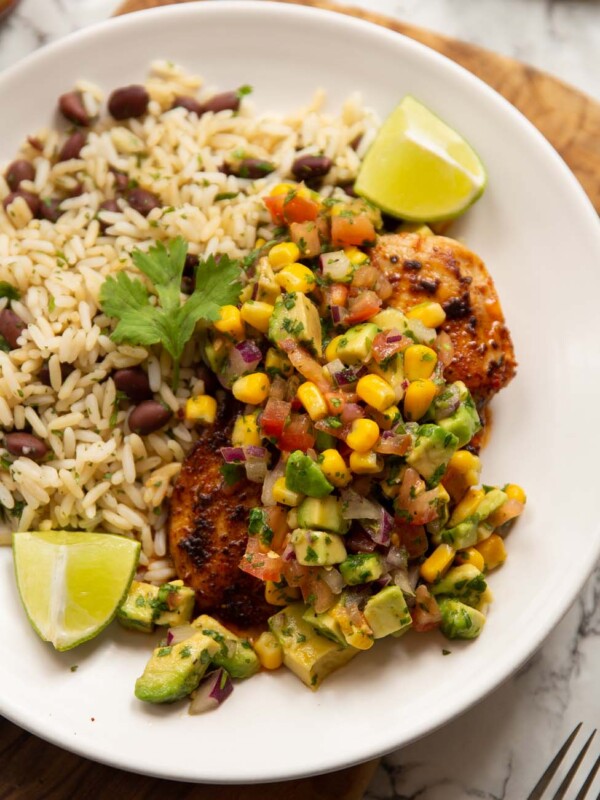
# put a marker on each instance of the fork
(544, 781)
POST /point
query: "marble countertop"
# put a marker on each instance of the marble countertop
(498, 749)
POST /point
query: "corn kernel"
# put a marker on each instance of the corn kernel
(296, 278)
(470, 556)
(252, 388)
(292, 519)
(230, 322)
(334, 468)
(331, 349)
(313, 401)
(280, 595)
(257, 314)
(355, 256)
(283, 254)
(363, 435)
(246, 432)
(277, 364)
(282, 188)
(285, 496)
(463, 471)
(361, 638)
(201, 409)
(467, 506)
(515, 492)
(375, 392)
(268, 650)
(365, 463)
(260, 242)
(391, 416)
(419, 362)
(432, 315)
(418, 397)
(437, 563)
(493, 551)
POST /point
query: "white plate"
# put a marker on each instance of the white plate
(540, 238)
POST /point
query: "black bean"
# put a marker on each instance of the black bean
(134, 382)
(348, 188)
(44, 373)
(254, 168)
(71, 106)
(72, 147)
(307, 168)
(107, 205)
(226, 101)
(148, 417)
(32, 200)
(50, 208)
(128, 101)
(191, 262)
(143, 201)
(18, 171)
(11, 326)
(25, 444)
(189, 103)
(121, 180)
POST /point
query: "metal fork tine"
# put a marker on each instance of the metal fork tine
(581, 794)
(540, 787)
(562, 789)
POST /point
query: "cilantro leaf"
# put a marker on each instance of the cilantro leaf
(8, 290)
(170, 321)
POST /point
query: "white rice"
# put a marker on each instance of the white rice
(98, 475)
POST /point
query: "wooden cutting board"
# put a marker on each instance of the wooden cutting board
(31, 769)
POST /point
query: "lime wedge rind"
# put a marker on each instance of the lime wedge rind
(72, 583)
(419, 169)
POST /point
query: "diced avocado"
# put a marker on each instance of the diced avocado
(356, 635)
(267, 288)
(325, 624)
(391, 318)
(465, 583)
(174, 604)
(355, 345)
(318, 548)
(361, 568)
(174, 672)
(234, 653)
(387, 612)
(258, 525)
(137, 610)
(325, 441)
(324, 514)
(278, 593)
(467, 533)
(310, 656)
(277, 363)
(432, 451)
(465, 422)
(303, 475)
(296, 317)
(460, 621)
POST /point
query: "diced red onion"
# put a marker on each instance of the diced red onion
(356, 507)
(333, 578)
(289, 554)
(413, 576)
(352, 411)
(393, 444)
(180, 633)
(256, 471)
(394, 336)
(267, 498)
(249, 351)
(379, 529)
(397, 557)
(213, 691)
(278, 388)
(336, 266)
(233, 455)
(384, 581)
(339, 314)
(401, 578)
(253, 451)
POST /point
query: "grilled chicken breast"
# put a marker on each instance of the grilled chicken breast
(443, 270)
(208, 532)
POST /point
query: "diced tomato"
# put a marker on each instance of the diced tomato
(335, 402)
(352, 411)
(273, 418)
(426, 613)
(265, 566)
(507, 512)
(306, 365)
(363, 307)
(291, 208)
(336, 294)
(338, 433)
(386, 344)
(316, 592)
(277, 522)
(417, 506)
(352, 230)
(306, 236)
(366, 277)
(297, 434)
(295, 573)
(413, 538)
(359, 542)
(397, 445)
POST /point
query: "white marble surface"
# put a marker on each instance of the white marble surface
(497, 750)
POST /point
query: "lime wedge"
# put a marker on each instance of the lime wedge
(72, 583)
(418, 168)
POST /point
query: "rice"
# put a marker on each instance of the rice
(98, 475)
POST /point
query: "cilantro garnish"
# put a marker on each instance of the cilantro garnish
(170, 321)
(8, 290)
